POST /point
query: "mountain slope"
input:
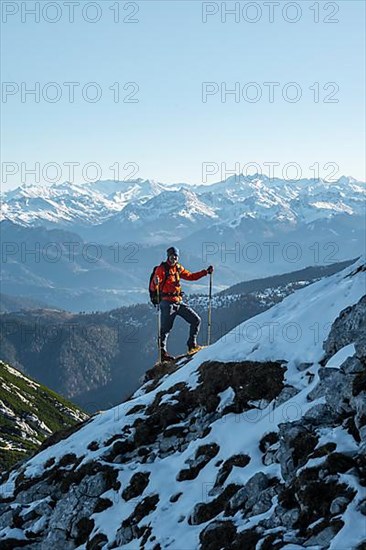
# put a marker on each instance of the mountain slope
(97, 359)
(151, 221)
(30, 413)
(9, 304)
(309, 274)
(59, 267)
(249, 445)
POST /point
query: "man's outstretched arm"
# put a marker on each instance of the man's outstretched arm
(188, 276)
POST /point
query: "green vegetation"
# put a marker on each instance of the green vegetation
(26, 405)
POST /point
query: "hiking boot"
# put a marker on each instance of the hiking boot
(165, 356)
(194, 349)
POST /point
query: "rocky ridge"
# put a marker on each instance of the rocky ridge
(249, 445)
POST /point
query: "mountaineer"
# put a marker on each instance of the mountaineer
(166, 293)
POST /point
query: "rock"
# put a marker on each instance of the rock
(289, 517)
(314, 498)
(360, 346)
(40, 490)
(338, 506)
(352, 365)
(286, 394)
(6, 519)
(93, 446)
(339, 463)
(362, 507)
(236, 460)
(251, 494)
(168, 445)
(320, 415)
(255, 506)
(102, 504)
(137, 485)
(129, 529)
(217, 535)
(268, 440)
(324, 450)
(269, 446)
(97, 542)
(204, 511)
(126, 534)
(324, 537)
(360, 461)
(297, 442)
(272, 455)
(57, 539)
(246, 539)
(303, 366)
(175, 497)
(359, 383)
(251, 381)
(84, 527)
(346, 329)
(337, 388)
(202, 457)
(179, 431)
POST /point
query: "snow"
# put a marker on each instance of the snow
(169, 398)
(14, 372)
(226, 398)
(6, 411)
(15, 533)
(344, 440)
(8, 446)
(298, 547)
(338, 359)
(291, 332)
(310, 310)
(140, 200)
(354, 530)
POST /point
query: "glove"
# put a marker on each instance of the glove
(210, 269)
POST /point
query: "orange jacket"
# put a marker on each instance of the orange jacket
(171, 290)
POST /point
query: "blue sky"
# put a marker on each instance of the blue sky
(169, 53)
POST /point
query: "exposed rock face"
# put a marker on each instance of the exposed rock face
(296, 486)
(349, 327)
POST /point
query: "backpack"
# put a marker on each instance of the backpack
(153, 293)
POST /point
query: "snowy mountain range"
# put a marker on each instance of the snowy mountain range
(257, 442)
(105, 208)
(246, 227)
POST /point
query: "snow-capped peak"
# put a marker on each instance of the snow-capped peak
(256, 197)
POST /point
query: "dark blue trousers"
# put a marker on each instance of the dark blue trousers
(169, 311)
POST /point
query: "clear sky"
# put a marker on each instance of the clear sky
(171, 50)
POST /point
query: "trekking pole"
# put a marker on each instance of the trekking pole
(159, 323)
(209, 311)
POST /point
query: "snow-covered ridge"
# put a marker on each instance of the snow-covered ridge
(228, 201)
(255, 442)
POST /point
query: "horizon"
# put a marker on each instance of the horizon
(173, 184)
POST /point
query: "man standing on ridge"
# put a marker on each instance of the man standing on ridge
(167, 278)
